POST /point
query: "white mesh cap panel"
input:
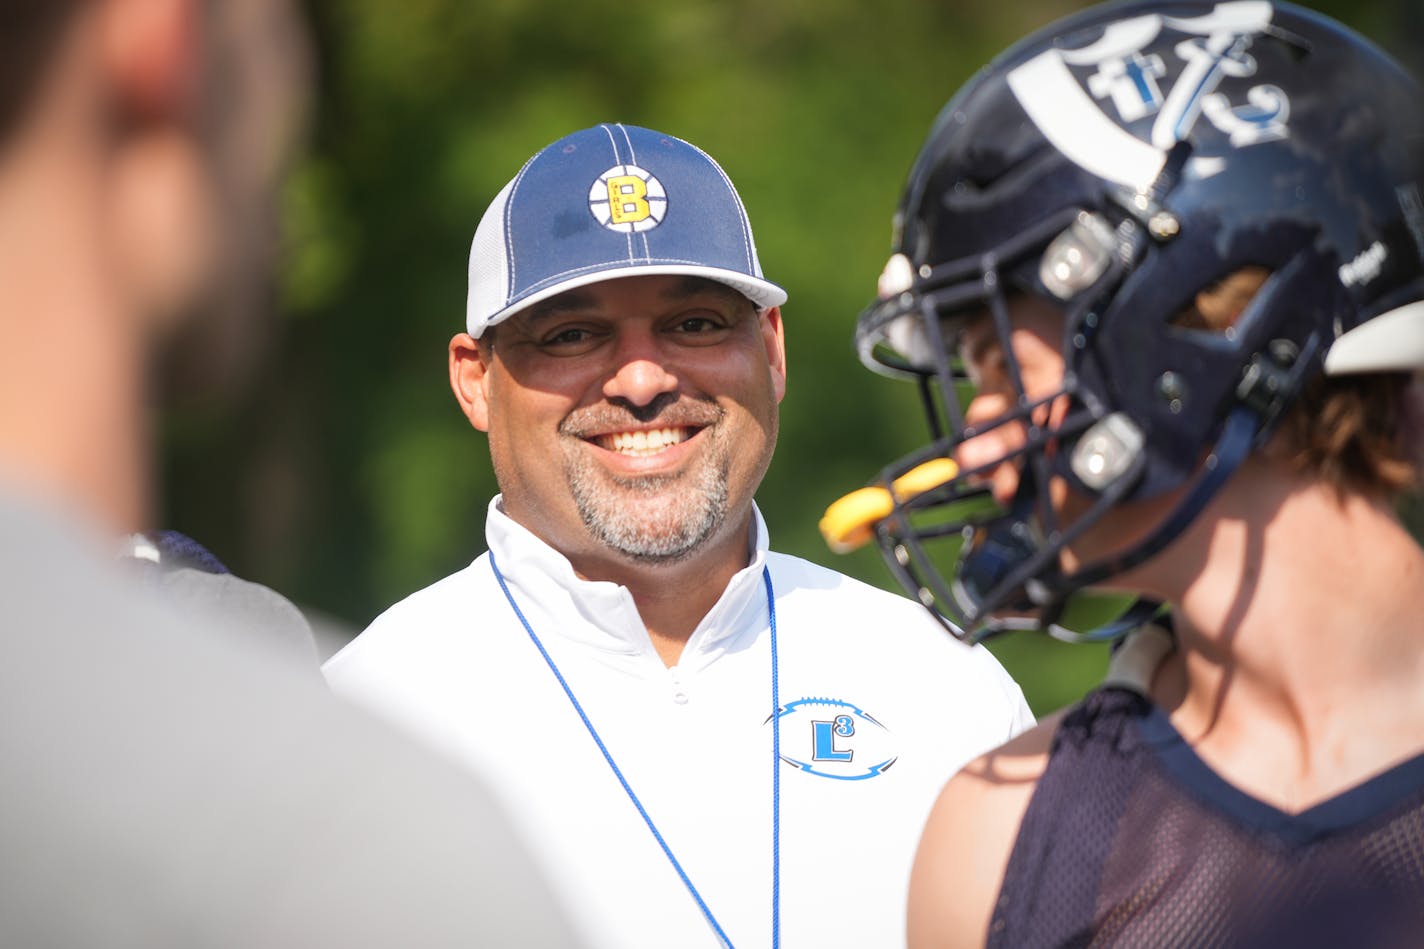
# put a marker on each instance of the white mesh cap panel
(489, 266)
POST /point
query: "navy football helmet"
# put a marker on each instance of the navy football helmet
(1117, 164)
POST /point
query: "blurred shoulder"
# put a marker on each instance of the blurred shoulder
(965, 848)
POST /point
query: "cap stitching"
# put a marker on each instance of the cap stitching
(633, 160)
(508, 235)
(618, 160)
(587, 268)
(747, 284)
(737, 200)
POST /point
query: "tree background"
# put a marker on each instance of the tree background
(343, 474)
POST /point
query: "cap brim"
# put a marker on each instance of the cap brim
(761, 292)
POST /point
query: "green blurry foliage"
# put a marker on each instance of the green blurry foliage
(347, 477)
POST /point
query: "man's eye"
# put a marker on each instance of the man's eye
(699, 328)
(569, 341)
(569, 336)
(697, 324)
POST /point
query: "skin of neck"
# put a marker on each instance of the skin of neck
(73, 425)
(1301, 618)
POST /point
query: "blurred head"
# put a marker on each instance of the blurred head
(139, 149)
(1167, 235)
(255, 95)
(623, 351)
(32, 33)
(178, 113)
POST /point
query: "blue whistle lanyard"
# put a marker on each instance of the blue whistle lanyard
(632, 796)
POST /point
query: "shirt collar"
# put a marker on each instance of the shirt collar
(541, 575)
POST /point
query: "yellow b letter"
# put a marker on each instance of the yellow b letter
(626, 199)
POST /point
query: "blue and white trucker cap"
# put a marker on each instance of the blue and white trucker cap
(610, 201)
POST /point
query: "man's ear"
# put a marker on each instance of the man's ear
(470, 377)
(151, 57)
(774, 337)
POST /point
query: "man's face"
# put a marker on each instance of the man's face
(637, 415)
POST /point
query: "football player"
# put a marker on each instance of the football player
(1158, 270)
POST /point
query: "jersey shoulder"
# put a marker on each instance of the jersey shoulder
(966, 844)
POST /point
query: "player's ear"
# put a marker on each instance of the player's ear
(469, 377)
(774, 338)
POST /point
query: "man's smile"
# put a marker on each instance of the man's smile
(647, 442)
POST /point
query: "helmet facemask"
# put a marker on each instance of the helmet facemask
(1003, 562)
(1119, 165)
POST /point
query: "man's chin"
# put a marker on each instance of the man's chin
(656, 518)
(657, 529)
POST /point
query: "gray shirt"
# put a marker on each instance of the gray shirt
(168, 782)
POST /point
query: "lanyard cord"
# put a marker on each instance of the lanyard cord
(628, 789)
(775, 771)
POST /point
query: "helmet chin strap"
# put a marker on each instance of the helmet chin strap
(1049, 590)
(1238, 435)
(1262, 395)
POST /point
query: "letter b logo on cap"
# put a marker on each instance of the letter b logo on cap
(625, 199)
(628, 198)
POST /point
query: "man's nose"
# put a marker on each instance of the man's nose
(641, 372)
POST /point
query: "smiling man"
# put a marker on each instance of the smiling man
(710, 743)
(634, 418)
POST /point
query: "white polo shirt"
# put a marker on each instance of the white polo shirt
(878, 707)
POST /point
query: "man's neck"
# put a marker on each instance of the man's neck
(673, 598)
(72, 400)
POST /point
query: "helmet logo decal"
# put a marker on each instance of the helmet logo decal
(1366, 267)
(627, 199)
(1127, 77)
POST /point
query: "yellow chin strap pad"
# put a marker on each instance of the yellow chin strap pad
(850, 522)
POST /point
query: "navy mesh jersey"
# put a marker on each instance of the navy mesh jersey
(1131, 840)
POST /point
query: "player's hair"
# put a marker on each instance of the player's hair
(31, 30)
(1360, 434)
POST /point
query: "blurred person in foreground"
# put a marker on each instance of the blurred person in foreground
(167, 781)
(708, 742)
(1160, 268)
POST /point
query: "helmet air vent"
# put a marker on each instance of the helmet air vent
(1107, 451)
(1077, 257)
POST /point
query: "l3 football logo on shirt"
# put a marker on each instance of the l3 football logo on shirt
(831, 738)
